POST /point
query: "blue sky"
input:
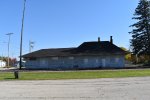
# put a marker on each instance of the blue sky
(64, 23)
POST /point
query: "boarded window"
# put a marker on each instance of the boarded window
(43, 62)
(71, 58)
(117, 60)
(104, 62)
(86, 60)
(97, 61)
(54, 58)
(63, 62)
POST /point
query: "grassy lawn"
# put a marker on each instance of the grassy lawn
(75, 74)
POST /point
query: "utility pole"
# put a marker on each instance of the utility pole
(9, 34)
(20, 64)
(31, 46)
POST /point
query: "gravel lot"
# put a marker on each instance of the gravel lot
(88, 89)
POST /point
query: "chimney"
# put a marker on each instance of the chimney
(98, 39)
(111, 39)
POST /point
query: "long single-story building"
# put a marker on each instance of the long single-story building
(96, 54)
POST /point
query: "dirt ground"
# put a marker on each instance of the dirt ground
(88, 89)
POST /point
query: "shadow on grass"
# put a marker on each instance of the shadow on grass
(12, 78)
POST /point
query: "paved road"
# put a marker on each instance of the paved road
(88, 89)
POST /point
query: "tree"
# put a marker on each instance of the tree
(140, 41)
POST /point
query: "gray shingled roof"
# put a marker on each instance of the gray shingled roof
(86, 48)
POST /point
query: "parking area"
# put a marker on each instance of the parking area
(88, 89)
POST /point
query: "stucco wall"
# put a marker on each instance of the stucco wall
(77, 62)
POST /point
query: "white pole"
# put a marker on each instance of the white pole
(9, 34)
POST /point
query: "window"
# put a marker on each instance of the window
(63, 62)
(85, 60)
(104, 62)
(117, 60)
(54, 58)
(71, 58)
(42, 62)
(97, 61)
(32, 58)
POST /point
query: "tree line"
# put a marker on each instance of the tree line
(12, 61)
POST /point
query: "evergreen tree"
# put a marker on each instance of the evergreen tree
(140, 41)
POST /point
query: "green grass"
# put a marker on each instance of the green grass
(75, 74)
